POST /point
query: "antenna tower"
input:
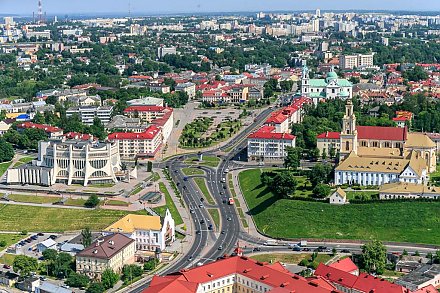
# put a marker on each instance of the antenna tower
(40, 11)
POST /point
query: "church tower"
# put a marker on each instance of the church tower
(305, 81)
(349, 133)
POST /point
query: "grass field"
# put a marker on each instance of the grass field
(33, 198)
(30, 218)
(10, 239)
(202, 186)
(7, 259)
(3, 167)
(120, 203)
(365, 194)
(78, 202)
(209, 161)
(215, 217)
(289, 258)
(23, 160)
(170, 205)
(192, 171)
(415, 222)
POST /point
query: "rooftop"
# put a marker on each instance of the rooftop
(106, 247)
(132, 222)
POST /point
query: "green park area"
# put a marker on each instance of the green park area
(23, 160)
(415, 222)
(30, 218)
(3, 167)
(33, 198)
(192, 171)
(7, 239)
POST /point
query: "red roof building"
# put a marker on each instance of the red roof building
(382, 133)
(346, 265)
(51, 131)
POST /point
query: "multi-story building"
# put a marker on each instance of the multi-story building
(238, 274)
(110, 252)
(149, 232)
(188, 87)
(88, 113)
(162, 51)
(51, 131)
(356, 61)
(332, 87)
(134, 145)
(69, 162)
(267, 144)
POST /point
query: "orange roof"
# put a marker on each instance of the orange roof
(346, 265)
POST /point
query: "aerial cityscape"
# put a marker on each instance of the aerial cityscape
(219, 147)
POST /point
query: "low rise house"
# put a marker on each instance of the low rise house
(8, 279)
(150, 232)
(422, 277)
(47, 287)
(110, 252)
(338, 197)
(46, 244)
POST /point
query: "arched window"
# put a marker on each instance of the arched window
(347, 145)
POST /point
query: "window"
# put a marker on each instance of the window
(347, 145)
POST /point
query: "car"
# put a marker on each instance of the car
(345, 251)
(42, 278)
(7, 267)
(256, 249)
(53, 237)
(225, 201)
(202, 221)
(184, 186)
(175, 171)
(220, 247)
(202, 199)
(191, 211)
(224, 187)
(221, 193)
(35, 237)
(296, 248)
(306, 249)
(40, 234)
(229, 219)
(28, 240)
(223, 232)
(201, 206)
(210, 227)
(198, 232)
(190, 258)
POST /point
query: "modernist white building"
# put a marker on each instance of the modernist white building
(332, 87)
(70, 162)
(149, 232)
(266, 144)
(88, 113)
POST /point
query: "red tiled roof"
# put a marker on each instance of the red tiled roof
(151, 132)
(277, 118)
(275, 276)
(382, 133)
(265, 132)
(329, 135)
(346, 265)
(77, 135)
(46, 128)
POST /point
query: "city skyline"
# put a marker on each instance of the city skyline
(27, 7)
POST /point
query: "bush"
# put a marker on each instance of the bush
(95, 287)
(304, 263)
(151, 264)
(130, 272)
(77, 280)
(321, 190)
(3, 243)
(92, 201)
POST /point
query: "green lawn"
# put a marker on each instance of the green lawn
(3, 167)
(7, 259)
(23, 160)
(30, 218)
(416, 222)
(365, 194)
(289, 258)
(33, 198)
(170, 205)
(192, 171)
(10, 239)
(209, 161)
(78, 202)
(120, 203)
(202, 186)
(215, 215)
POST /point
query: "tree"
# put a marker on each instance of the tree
(374, 257)
(86, 235)
(97, 129)
(267, 178)
(151, 264)
(149, 166)
(129, 272)
(52, 100)
(320, 173)
(109, 278)
(96, 287)
(6, 151)
(321, 190)
(50, 254)
(314, 154)
(3, 243)
(77, 280)
(293, 158)
(24, 265)
(38, 118)
(284, 184)
(92, 201)
(331, 152)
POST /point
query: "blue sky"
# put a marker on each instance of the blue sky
(23, 7)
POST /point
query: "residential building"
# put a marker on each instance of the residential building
(238, 274)
(51, 131)
(70, 162)
(189, 88)
(8, 279)
(422, 277)
(4, 127)
(110, 252)
(28, 284)
(85, 101)
(134, 145)
(332, 87)
(126, 124)
(146, 101)
(88, 113)
(162, 51)
(47, 287)
(338, 197)
(267, 145)
(345, 265)
(356, 61)
(149, 232)
(362, 283)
